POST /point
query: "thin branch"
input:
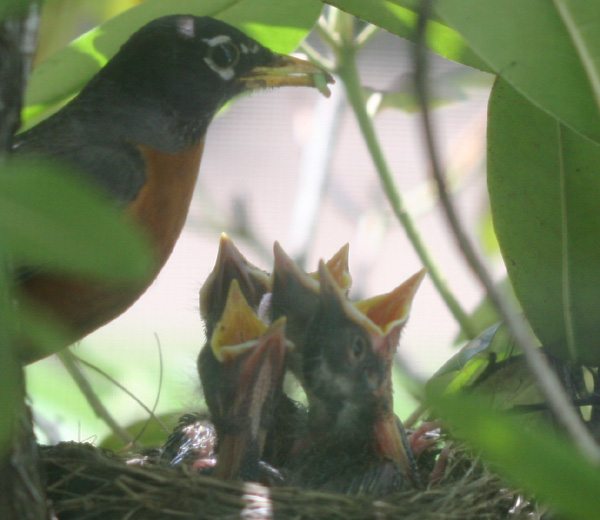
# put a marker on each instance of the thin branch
(22, 490)
(365, 35)
(108, 377)
(315, 56)
(348, 73)
(70, 363)
(160, 383)
(547, 381)
(18, 38)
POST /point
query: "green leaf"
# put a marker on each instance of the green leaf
(398, 17)
(544, 189)
(279, 24)
(463, 369)
(548, 51)
(40, 333)
(54, 220)
(448, 87)
(13, 7)
(485, 314)
(534, 458)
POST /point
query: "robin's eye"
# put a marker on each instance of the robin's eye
(359, 347)
(221, 56)
(224, 55)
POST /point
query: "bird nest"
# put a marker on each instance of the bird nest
(86, 483)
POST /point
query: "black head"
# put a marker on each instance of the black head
(186, 68)
(295, 295)
(342, 371)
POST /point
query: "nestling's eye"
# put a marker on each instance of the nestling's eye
(359, 347)
(224, 55)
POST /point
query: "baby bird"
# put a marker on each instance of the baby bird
(251, 358)
(355, 443)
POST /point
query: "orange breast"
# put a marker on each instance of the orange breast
(163, 203)
(161, 209)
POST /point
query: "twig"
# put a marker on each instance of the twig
(160, 383)
(365, 35)
(22, 492)
(547, 381)
(121, 387)
(70, 363)
(348, 73)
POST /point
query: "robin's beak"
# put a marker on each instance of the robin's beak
(259, 369)
(252, 365)
(337, 266)
(383, 318)
(238, 327)
(288, 71)
(391, 444)
(231, 265)
(389, 310)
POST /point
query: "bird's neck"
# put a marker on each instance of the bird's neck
(348, 424)
(144, 120)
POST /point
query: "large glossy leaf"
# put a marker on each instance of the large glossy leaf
(8, 7)
(54, 220)
(278, 24)
(544, 184)
(548, 51)
(533, 458)
(401, 20)
(485, 314)
(471, 361)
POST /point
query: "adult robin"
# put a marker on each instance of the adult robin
(252, 365)
(355, 443)
(137, 131)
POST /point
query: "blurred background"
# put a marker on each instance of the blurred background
(257, 183)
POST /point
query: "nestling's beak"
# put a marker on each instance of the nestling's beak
(252, 361)
(231, 265)
(257, 370)
(384, 313)
(287, 71)
(337, 266)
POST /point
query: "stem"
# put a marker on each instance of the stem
(365, 35)
(348, 73)
(68, 360)
(546, 379)
(124, 389)
(315, 56)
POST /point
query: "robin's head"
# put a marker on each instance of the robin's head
(342, 371)
(349, 350)
(189, 67)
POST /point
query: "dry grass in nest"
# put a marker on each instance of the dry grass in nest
(85, 483)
